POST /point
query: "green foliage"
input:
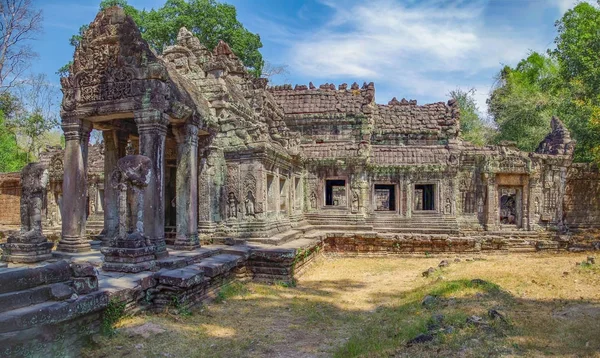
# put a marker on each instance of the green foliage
(578, 45)
(209, 20)
(472, 127)
(391, 327)
(523, 102)
(33, 114)
(113, 313)
(563, 83)
(12, 158)
(231, 290)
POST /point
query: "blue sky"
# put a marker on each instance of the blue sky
(417, 49)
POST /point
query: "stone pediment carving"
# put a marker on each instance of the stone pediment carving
(114, 70)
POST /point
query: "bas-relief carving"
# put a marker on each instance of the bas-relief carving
(232, 206)
(249, 204)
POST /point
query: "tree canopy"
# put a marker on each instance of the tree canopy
(472, 126)
(564, 82)
(209, 20)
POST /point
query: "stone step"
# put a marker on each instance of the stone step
(184, 277)
(278, 239)
(330, 227)
(14, 300)
(181, 258)
(239, 250)
(18, 279)
(417, 230)
(51, 312)
(219, 264)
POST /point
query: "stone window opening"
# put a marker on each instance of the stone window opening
(385, 197)
(282, 195)
(424, 198)
(297, 194)
(335, 192)
(271, 206)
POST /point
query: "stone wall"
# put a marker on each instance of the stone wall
(325, 99)
(405, 122)
(582, 197)
(10, 198)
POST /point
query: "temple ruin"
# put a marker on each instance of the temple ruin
(207, 174)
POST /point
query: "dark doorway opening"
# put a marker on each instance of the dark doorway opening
(425, 197)
(385, 197)
(335, 192)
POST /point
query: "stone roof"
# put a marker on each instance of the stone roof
(406, 118)
(325, 99)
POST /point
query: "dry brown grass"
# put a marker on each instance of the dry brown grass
(372, 307)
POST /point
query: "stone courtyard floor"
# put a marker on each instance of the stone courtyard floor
(496, 305)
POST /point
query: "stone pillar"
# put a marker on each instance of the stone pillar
(187, 187)
(491, 217)
(152, 129)
(77, 135)
(130, 252)
(115, 143)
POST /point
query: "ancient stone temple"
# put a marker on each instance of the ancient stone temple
(206, 175)
(233, 158)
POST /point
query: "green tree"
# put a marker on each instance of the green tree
(524, 100)
(472, 127)
(34, 114)
(578, 46)
(12, 158)
(577, 49)
(209, 20)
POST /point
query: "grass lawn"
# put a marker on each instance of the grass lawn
(525, 305)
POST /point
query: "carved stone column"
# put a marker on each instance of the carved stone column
(77, 135)
(115, 143)
(152, 129)
(187, 187)
(130, 252)
(491, 218)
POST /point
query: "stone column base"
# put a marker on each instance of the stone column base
(190, 242)
(27, 248)
(161, 248)
(131, 254)
(73, 244)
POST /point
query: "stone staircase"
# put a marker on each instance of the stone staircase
(46, 301)
(419, 223)
(94, 224)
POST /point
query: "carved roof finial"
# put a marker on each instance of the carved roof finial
(223, 49)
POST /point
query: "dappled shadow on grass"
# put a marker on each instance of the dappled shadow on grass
(307, 321)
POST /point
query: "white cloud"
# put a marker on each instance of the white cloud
(564, 5)
(423, 46)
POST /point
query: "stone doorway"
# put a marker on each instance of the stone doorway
(510, 202)
(424, 197)
(335, 192)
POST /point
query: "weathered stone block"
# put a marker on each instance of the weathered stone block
(23, 278)
(83, 269)
(62, 291)
(186, 277)
(85, 285)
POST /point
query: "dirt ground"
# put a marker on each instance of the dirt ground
(502, 305)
